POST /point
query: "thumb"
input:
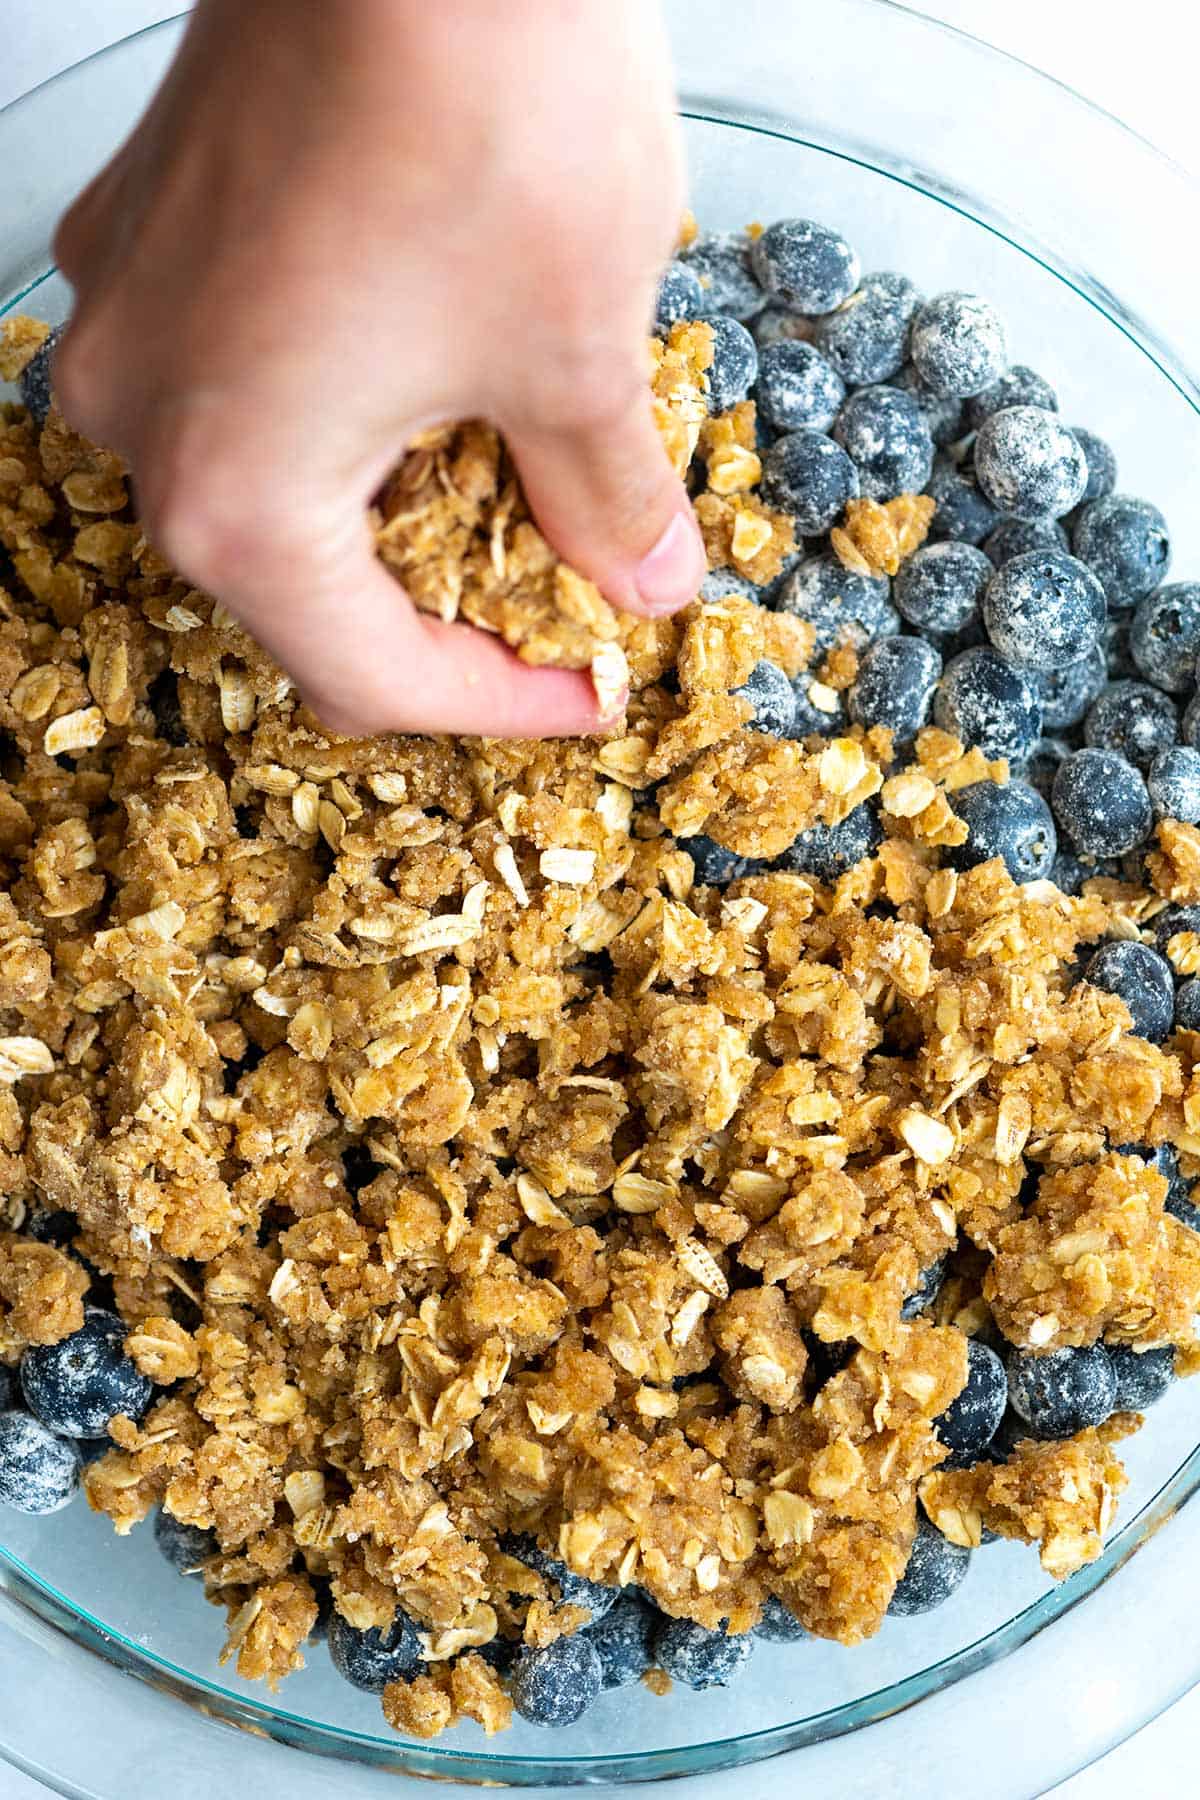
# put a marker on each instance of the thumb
(608, 500)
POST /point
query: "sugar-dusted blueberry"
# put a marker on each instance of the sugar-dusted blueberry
(769, 692)
(1018, 386)
(971, 1421)
(1044, 609)
(797, 389)
(39, 1472)
(819, 708)
(1029, 464)
(58, 1227)
(734, 366)
(1187, 1005)
(828, 851)
(1121, 666)
(1141, 978)
(886, 436)
(9, 1396)
(622, 1640)
(1102, 464)
(1067, 692)
(500, 1653)
(1126, 542)
(1100, 804)
(571, 1589)
(930, 1283)
(962, 513)
(983, 700)
(1142, 1378)
(804, 264)
(944, 413)
(35, 381)
(894, 686)
(719, 584)
(958, 344)
(1015, 537)
(713, 865)
(936, 1569)
(777, 325)
(698, 1657)
(1164, 635)
(1069, 873)
(78, 1385)
(680, 296)
(1135, 720)
(370, 1659)
(721, 260)
(841, 607)
(1056, 1393)
(1012, 822)
(557, 1685)
(1189, 725)
(778, 1624)
(939, 588)
(866, 337)
(1173, 781)
(809, 476)
(185, 1547)
(1171, 922)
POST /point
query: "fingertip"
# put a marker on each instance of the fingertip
(669, 575)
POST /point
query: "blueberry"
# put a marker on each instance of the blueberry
(769, 692)
(828, 851)
(983, 700)
(1117, 649)
(1189, 725)
(57, 1228)
(809, 476)
(962, 513)
(734, 366)
(866, 337)
(895, 684)
(718, 584)
(958, 344)
(944, 413)
(971, 1421)
(500, 1653)
(840, 606)
(680, 296)
(930, 1283)
(1068, 692)
(1044, 610)
(1142, 979)
(1170, 922)
(1029, 464)
(8, 1389)
(1100, 804)
(1164, 636)
(1141, 1378)
(777, 1624)
(940, 587)
(573, 1589)
(1018, 386)
(1059, 1392)
(370, 1659)
(1011, 822)
(721, 260)
(1173, 782)
(1069, 874)
(323, 1595)
(813, 718)
(77, 1386)
(1102, 465)
(39, 1472)
(1133, 719)
(797, 389)
(698, 1657)
(776, 325)
(886, 436)
(34, 383)
(807, 266)
(1126, 543)
(557, 1685)
(622, 1640)
(1179, 1202)
(936, 1568)
(1187, 1006)
(1017, 536)
(713, 865)
(184, 1546)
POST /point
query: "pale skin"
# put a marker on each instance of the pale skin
(339, 224)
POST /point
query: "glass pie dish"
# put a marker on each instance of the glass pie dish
(936, 156)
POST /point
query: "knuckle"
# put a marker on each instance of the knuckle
(77, 379)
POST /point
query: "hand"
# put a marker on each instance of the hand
(338, 224)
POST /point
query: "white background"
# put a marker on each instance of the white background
(1127, 67)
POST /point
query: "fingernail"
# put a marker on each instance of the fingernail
(670, 575)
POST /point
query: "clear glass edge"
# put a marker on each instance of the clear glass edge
(21, 1589)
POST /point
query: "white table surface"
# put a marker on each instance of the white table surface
(1122, 69)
